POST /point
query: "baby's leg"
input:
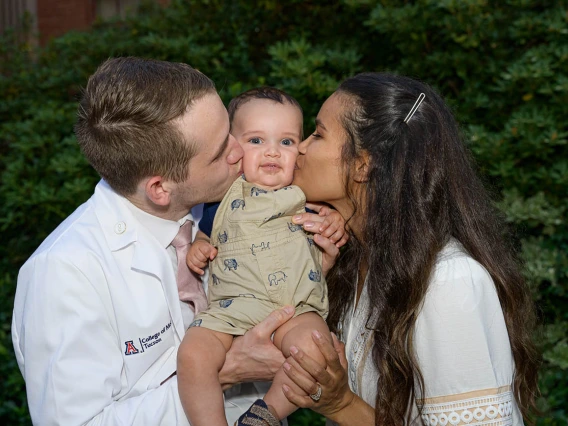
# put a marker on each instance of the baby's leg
(200, 358)
(296, 332)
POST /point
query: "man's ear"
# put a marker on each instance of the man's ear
(158, 191)
(361, 173)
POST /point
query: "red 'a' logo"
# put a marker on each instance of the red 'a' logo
(130, 348)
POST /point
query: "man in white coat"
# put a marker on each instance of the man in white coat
(97, 317)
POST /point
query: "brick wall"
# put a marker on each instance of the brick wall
(56, 17)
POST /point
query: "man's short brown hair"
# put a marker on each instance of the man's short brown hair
(124, 125)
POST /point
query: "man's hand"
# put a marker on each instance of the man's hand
(199, 254)
(253, 357)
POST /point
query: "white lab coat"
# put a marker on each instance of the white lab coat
(97, 324)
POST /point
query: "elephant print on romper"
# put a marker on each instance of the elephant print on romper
(276, 277)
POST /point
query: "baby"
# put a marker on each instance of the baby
(260, 260)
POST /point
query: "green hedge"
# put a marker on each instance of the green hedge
(501, 65)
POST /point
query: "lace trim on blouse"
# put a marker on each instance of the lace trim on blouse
(359, 345)
(360, 350)
(490, 407)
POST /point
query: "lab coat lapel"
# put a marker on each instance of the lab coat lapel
(147, 260)
(122, 229)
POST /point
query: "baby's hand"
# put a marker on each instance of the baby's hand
(328, 223)
(199, 254)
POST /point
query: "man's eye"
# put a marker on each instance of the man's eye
(287, 142)
(316, 135)
(255, 141)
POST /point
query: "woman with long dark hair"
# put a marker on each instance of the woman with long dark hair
(428, 297)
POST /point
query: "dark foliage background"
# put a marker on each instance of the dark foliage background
(502, 65)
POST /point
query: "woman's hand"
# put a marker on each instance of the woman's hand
(329, 231)
(253, 357)
(308, 375)
(327, 223)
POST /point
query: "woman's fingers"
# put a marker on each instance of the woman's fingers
(310, 365)
(328, 350)
(332, 380)
(330, 253)
(304, 381)
(327, 246)
(337, 235)
(324, 210)
(339, 347)
(311, 218)
(342, 241)
(332, 226)
(301, 401)
(291, 361)
(315, 206)
(329, 227)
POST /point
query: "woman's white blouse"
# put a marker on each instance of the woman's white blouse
(461, 343)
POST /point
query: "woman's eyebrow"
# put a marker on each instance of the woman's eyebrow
(320, 124)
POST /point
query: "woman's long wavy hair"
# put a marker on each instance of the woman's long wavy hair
(422, 190)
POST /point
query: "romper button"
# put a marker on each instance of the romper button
(120, 227)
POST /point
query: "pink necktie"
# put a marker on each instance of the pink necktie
(190, 289)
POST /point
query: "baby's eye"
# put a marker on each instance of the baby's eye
(287, 142)
(255, 141)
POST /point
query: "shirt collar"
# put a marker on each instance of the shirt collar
(163, 230)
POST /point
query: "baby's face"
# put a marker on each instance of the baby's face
(269, 133)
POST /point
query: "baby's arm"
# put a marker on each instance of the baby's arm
(200, 252)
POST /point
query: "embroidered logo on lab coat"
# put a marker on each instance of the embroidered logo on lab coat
(130, 348)
(146, 342)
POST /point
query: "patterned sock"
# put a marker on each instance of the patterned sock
(258, 415)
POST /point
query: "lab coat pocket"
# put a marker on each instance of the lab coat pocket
(166, 365)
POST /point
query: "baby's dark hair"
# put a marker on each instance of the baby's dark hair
(264, 92)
